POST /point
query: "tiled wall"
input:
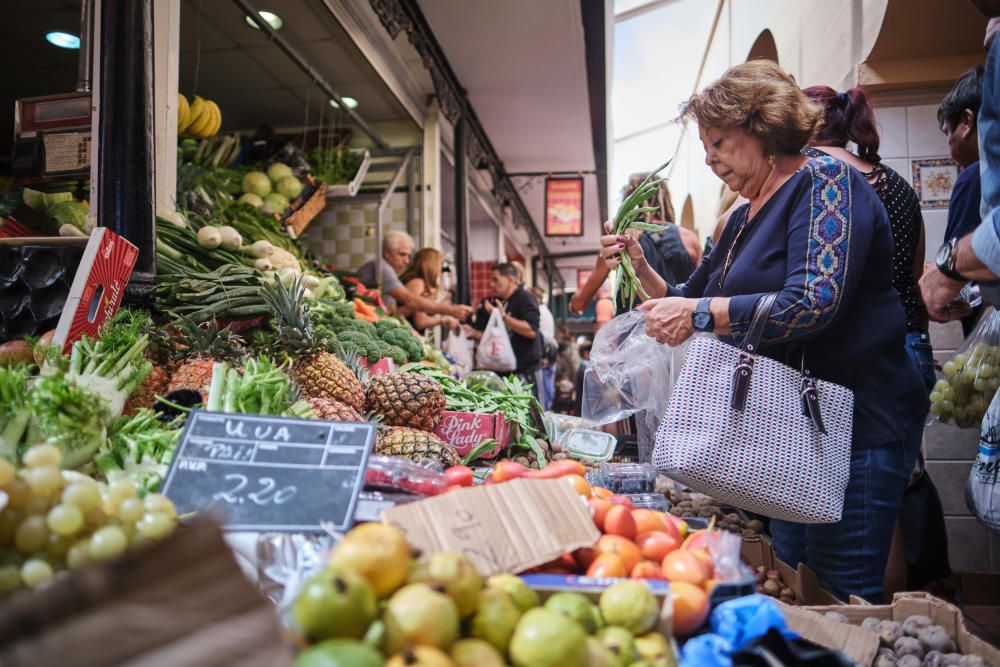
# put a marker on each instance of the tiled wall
(909, 133)
(343, 234)
(479, 275)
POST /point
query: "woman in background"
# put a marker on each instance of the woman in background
(422, 277)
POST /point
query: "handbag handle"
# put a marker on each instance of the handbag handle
(744, 369)
(748, 351)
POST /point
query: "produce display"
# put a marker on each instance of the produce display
(373, 605)
(914, 642)
(200, 119)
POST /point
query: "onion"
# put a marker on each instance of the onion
(310, 281)
(15, 352)
(231, 239)
(209, 237)
(263, 264)
(260, 249)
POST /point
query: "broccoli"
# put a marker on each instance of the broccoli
(397, 354)
(403, 339)
(343, 309)
(341, 324)
(383, 326)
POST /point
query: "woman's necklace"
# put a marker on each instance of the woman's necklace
(733, 249)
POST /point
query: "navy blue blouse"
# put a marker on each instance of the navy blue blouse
(824, 244)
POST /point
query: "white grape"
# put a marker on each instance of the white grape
(44, 480)
(120, 489)
(10, 578)
(157, 502)
(107, 543)
(950, 368)
(85, 495)
(18, 493)
(78, 554)
(131, 510)
(6, 472)
(31, 535)
(36, 572)
(64, 519)
(156, 525)
(42, 455)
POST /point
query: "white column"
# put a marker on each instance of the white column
(166, 57)
(430, 169)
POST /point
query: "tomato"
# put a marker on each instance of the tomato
(458, 476)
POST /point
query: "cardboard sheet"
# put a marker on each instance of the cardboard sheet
(505, 527)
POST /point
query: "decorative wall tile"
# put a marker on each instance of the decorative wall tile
(933, 180)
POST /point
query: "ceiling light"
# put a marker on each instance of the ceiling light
(64, 40)
(349, 102)
(270, 18)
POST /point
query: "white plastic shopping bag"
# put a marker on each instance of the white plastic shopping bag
(982, 493)
(459, 347)
(495, 352)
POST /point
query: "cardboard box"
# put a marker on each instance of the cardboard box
(383, 366)
(465, 430)
(507, 527)
(181, 603)
(549, 584)
(801, 579)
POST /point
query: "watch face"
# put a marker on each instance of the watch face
(943, 253)
(702, 321)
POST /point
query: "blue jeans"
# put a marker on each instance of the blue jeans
(918, 347)
(849, 557)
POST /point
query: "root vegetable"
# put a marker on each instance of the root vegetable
(889, 632)
(771, 587)
(787, 595)
(15, 352)
(909, 646)
(871, 623)
(885, 658)
(209, 237)
(310, 281)
(836, 616)
(936, 638)
(263, 264)
(231, 239)
(261, 249)
(971, 661)
(909, 661)
(914, 624)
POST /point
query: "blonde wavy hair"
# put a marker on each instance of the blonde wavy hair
(761, 99)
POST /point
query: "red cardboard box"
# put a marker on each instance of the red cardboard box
(465, 430)
(383, 366)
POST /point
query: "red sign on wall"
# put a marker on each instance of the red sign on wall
(582, 276)
(564, 206)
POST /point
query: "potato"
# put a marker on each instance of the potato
(909, 661)
(889, 632)
(936, 638)
(871, 623)
(938, 659)
(909, 646)
(914, 624)
(885, 658)
(972, 661)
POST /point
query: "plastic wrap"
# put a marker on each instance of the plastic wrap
(971, 376)
(982, 492)
(495, 352)
(459, 347)
(630, 374)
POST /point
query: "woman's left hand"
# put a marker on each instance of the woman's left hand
(668, 320)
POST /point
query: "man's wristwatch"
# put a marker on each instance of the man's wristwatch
(945, 260)
(701, 318)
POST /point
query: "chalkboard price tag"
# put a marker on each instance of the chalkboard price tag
(270, 473)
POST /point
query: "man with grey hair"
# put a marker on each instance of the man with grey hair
(397, 249)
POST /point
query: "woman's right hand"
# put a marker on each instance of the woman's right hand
(612, 246)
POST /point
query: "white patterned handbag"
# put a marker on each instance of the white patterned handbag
(750, 431)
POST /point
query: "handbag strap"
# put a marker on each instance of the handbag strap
(748, 351)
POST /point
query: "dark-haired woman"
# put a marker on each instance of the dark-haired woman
(848, 117)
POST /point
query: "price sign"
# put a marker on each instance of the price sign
(270, 473)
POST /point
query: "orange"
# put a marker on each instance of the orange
(680, 565)
(690, 607)
(607, 565)
(647, 569)
(655, 545)
(601, 508)
(579, 485)
(600, 492)
(624, 548)
(619, 521)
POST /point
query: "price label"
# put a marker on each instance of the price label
(270, 473)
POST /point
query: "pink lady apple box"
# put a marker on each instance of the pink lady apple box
(465, 430)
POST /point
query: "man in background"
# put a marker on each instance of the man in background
(550, 348)
(397, 250)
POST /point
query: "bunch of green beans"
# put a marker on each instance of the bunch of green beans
(627, 283)
(231, 292)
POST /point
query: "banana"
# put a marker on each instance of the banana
(201, 119)
(183, 112)
(213, 129)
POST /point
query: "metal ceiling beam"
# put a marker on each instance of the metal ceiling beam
(405, 16)
(254, 15)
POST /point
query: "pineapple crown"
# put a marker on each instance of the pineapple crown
(295, 333)
(206, 339)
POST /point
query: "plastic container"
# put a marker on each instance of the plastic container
(35, 280)
(399, 474)
(628, 478)
(649, 501)
(557, 425)
(584, 443)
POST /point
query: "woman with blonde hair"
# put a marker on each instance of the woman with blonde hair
(422, 277)
(815, 236)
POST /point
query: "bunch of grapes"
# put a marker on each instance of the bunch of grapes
(971, 379)
(56, 520)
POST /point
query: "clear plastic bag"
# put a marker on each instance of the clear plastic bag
(630, 374)
(971, 376)
(495, 352)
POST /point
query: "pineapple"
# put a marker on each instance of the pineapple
(407, 399)
(330, 409)
(416, 445)
(153, 385)
(202, 347)
(318, 372)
